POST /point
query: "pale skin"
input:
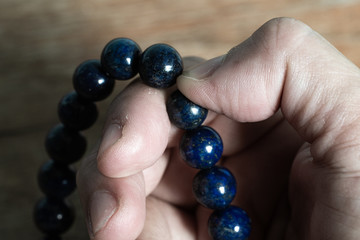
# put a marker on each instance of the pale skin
(286, 104)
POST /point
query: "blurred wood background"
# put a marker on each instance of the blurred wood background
(41, 43)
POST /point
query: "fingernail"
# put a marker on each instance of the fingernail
(111, 136)
(203, 70)
(103, 205)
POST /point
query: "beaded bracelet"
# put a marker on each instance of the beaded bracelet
(201, 146)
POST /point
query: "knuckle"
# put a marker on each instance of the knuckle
(282, 35)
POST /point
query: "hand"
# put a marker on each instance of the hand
(286, 104)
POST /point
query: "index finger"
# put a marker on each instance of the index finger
(136, 131)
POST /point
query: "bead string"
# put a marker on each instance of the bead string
(213, 186)
(201, 146)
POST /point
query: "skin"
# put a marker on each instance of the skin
(285, 102)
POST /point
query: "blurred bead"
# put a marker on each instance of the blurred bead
(53, 216)
(214, 188)
(201, 147)
(229, 224)
(91, 82)
(65, 146)
(55, 237)
(120, 58)
(56, 180)
(76, 113)
(183, 113)
(160, 65)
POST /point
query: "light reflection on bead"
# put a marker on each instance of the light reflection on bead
(201, 147)
(53, 216)
(214, 188)
(120, 58)
(183, 113)
(160, 65)
(56, 180)
(231, 223)
(91, 82)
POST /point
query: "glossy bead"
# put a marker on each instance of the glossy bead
(229, 224)
(160, 65)
(56, 180)
(214, 188)
(120, 58)
(64, 146)
(53, 216)
(183, 113)
(91, 82)
(77, 113)
(201, 147)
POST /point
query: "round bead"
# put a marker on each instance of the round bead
(201, 147)
(183, 113)
(91, 82)
(214, 188)
(77, 113)
(56, 180)
(229, 224)
(120, 58)
(53, 216)
(160, 65)
(65, 146)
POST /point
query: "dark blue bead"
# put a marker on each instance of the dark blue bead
(120, 58)
(201, 147)
(77, 113)
(214, 188)
(160, 65)
(56, 180)
(183, 113)
(91, 82)
(53, 216)
(65, 146)
(229, 224)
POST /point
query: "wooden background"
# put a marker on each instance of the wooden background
(41, 43)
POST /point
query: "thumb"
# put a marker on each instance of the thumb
(286, 65)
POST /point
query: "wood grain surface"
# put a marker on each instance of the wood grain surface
(41, 43)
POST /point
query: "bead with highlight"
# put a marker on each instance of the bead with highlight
(56, 180)
(53, 216)
(231, 223)
(214, 188)
(160, 65)
(183, 113)
(201, 147)
(91, 82)
(120, 58)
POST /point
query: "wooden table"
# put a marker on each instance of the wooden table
(41, 43)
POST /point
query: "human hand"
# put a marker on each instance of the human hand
(282, 87)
